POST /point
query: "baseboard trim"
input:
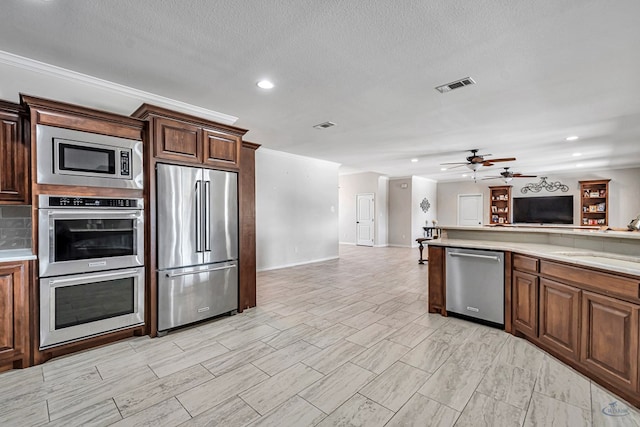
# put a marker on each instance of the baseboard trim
(296, 264)
(347, 243)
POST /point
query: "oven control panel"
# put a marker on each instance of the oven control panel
(89, 202)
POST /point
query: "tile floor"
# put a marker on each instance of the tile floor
(338, 343)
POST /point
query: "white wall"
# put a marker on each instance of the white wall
(422, 188)
(406, 217)
(624, 194)
(359, 183)
(296, 209)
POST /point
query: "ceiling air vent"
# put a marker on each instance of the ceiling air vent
(455, 85)
(324, 125)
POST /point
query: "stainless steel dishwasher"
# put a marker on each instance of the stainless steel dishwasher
(475, 284)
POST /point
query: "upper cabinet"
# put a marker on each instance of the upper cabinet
(500, 204)
(183, 138)
(14, 156)
(594, 202)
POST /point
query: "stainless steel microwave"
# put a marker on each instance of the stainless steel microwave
(71, 157)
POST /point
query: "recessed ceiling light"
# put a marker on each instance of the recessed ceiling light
(265, 84)
(443, 169)
(571, 138)
(414, 160)
(579, 165)
(464, 175)
(577, 154)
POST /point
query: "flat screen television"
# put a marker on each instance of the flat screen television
(543, 210)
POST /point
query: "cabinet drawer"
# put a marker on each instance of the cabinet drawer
(525, 263)
(602, 282)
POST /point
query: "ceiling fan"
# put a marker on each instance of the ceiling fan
(475, 161)
(507, 175)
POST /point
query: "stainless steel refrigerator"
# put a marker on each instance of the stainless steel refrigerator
(197, 237)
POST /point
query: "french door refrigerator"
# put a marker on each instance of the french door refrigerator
(197, 238)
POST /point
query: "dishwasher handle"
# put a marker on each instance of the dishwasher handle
(466, 255)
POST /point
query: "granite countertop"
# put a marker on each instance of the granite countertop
(571, 230)
(584, 257)
(16, 255)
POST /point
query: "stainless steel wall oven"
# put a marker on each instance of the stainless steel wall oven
(90, 266)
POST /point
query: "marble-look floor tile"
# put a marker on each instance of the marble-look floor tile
(331, 335)
(509, 384)
(279, 388)
(171, 365)
(452, 385)
(167, 413)
(411, 335)
(215, 391)
(104, 413)
(289, 336)
(362, 320)
(521, 353)
(379, 298)
(294, 412)
(336, 388)
(563, 383)
(431, 320)
(380, 356)
(142, 357)
(389, 307)
(398, 319)
(73, 400)
(237, 340)
(358, 412)
(160, 390)
(200, 337)
(371, 335)
(357, 307)
(429, 355)
(231, 360)
(421, 411)
(284, 323)
(27, 414)
(333, 357)
(546, 411)
(608, 410)
(479, 351)
(484, 411)
(395, 386)
(231, 413)
(280, 360)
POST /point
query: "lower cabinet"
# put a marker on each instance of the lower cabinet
(560, 317)
(525, 303)
(610, 339)
(436, 285)
(14, 318)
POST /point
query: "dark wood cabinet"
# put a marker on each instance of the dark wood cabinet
(437, 290)
(594, 202)
(247, 197)
(14, 321)
(500, 204)
(610, 339)
(14, 156)
(525, 303)
(183, 138)
(560, 317)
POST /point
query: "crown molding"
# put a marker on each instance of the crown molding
(63, 73)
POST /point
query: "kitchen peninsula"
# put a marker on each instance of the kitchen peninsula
(574, 292)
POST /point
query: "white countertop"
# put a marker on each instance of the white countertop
(16, 255)
(571, 230)
(584, 257)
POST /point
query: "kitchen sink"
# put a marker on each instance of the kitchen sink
(605, 259)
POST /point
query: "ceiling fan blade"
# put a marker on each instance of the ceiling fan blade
(519, 175)
(457, 165)
(506, 159)
(487, 163)
(492, 177)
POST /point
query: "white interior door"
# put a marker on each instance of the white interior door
(364, 219)
(470, 209)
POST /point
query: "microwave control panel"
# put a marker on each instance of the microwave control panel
(124, 162)
(92, 202)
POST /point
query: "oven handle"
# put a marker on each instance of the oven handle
(101, 275)
(92, 212)
(187, 273)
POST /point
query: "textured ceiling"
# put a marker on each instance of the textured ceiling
(544, 70)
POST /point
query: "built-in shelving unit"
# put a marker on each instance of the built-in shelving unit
(500, 204)
(594, 202)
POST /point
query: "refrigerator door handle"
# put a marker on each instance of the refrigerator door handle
(207, 216)
(198, 216)
(189, 273)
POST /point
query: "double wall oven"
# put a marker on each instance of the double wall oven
(91, 263)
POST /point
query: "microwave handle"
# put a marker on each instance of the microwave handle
(198, 215)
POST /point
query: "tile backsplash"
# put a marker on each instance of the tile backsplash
(15, 227)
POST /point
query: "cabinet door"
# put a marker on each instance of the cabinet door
(13, 161)
(610, 339)
(560, 317)
(14, 321)
(175, 140)
(437, 270)
(221, 149)
(525, 303)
